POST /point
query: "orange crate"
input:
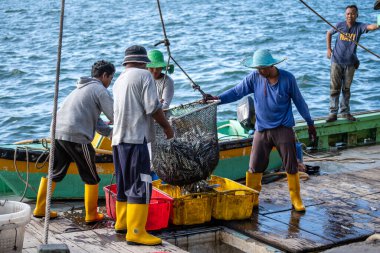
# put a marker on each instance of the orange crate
(159, 207)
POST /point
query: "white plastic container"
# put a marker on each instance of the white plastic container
(13, 218)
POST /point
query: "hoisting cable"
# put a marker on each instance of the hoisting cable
(167, 44)
(53, 127)
(341, 32)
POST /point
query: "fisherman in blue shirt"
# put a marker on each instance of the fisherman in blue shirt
(273, 91)
(344, 61)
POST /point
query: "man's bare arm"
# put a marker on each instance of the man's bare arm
(372, 27)
(159, 116)
(328, 44)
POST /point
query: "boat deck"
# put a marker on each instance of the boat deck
(343, 207)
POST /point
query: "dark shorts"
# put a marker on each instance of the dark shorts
(132, 169)
(283, 139)
(82, 154)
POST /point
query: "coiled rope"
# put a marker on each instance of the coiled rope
(25, 181)
(54, 122)
(44, 152)
(341, 32)
(167, 44)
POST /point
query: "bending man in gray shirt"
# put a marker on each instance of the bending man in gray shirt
(77, 121)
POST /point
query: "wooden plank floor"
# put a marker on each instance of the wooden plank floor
(63, 230)
(343, 206)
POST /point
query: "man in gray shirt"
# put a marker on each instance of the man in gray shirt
(77, 120)
(136, 105)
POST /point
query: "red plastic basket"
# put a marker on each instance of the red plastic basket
(159, 207)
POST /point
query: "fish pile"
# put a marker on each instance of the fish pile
(198, 187)
(186, 159)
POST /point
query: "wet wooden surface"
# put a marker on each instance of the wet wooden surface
(342, 206)
(78, 239)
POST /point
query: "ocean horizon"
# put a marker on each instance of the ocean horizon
(208, 39)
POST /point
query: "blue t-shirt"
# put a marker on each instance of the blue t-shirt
(273, 105)
(345, 50)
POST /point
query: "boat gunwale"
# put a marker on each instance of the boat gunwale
(39, 154)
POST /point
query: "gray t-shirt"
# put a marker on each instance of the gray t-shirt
(135, 100)
(344, 51)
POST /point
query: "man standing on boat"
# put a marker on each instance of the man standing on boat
(164, 83)
(77, 120)
(273, 91)
(344, 61)
(136, 105)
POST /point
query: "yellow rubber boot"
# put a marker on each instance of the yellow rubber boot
(253, 180)
(121, 217)
(39, 211)
(137, 215)
(91, 203)
(294, 190)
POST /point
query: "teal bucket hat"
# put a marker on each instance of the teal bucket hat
(261, 58)
(157, 61)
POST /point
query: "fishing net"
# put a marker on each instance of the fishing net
(193, 153)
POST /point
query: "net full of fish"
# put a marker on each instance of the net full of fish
(193, 153)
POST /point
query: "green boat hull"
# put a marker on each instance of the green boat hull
(24, 164)
(71, 187)
(234, 144)
(235, 168)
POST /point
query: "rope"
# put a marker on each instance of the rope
(167, 44)
(303, 175)
(336, 29)
(346, 160)
(26, 182)
(333, 158)
(54, 121)
(45, 152)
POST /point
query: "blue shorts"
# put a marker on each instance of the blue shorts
(132, 169)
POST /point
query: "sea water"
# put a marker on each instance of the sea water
(208, 39)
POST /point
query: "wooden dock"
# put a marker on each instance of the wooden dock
(77, 239)
(342, 207)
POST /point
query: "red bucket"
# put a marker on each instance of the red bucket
(159, 207)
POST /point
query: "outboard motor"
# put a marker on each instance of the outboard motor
(246, 113)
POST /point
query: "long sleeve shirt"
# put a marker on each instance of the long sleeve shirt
(273, 105)
(165, 90)
(78, 117)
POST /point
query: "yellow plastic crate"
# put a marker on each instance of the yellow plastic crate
(233, 201)
(187, 209)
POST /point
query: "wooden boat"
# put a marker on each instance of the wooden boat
(24, 162)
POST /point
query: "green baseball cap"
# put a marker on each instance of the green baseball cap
(157, 61)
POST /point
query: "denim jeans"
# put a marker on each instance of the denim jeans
(341, 77)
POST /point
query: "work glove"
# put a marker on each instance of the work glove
(312, 135)
(208, 97)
